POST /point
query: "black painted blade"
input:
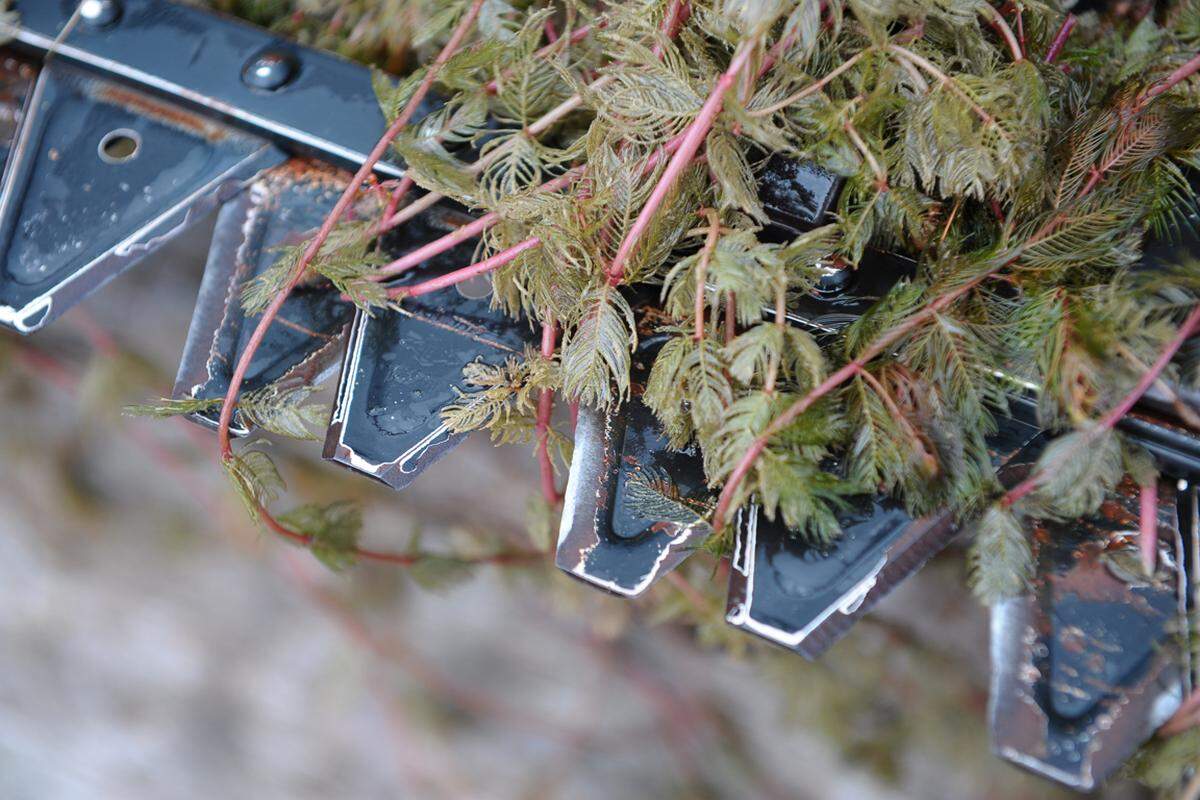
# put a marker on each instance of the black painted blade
(99, 177)
(401, 367)
(632, 507)
(805, 597)
(1083, 670)
(280, 208)
(796, 195)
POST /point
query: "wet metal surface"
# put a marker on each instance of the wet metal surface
(796, 194)
(803, 596)
(607, 536)
(401, 367)
(1083, 667)
(99, 176)
(197, 57)
(281, 208)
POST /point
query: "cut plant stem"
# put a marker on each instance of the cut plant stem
(1185, 71)
(466, 273)
(693, 137)
(544, 412)
(1148, 524)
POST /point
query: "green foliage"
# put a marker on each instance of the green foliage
(1164, 763)
(332, 531)
(255, 479)
(1001, 559)
(277, 409)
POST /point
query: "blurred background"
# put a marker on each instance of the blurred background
(155, 644)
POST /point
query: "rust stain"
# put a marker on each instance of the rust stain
(162, 112)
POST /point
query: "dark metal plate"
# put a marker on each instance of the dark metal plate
(805, 597)
(100, 176)
(796, 194)
(199, 58)
(1082, 670)
(607, 537)
(281, 208)
(401, 367)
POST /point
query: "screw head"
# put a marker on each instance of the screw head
(99, 13)
(833, 281)
(269, 70)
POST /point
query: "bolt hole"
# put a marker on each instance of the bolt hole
(476, 288)
(120, 146)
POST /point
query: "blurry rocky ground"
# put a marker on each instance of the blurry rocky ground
(153, 644)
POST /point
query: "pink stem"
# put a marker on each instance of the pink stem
(466, 273)
(472, 229)
(693, 137)
(406, 183)
(1184, 72)
(1148, 520)
(1060, 38)
(468, 231)
(339, 209)
(1189, 325)
(544, 412)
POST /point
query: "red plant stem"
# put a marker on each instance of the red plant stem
(996, 20)
(1121, 409)
(544, 411)
(1060, 38)
(1189, 68)
(1148, 523)
(693, 137)
(397, 196)
(466, 273)
(836, 379)
(472, 229)
(402, 559)
(677, 14)
(343, 203)
(450, 240)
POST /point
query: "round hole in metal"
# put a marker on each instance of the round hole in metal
(475, 288)
(119, 146)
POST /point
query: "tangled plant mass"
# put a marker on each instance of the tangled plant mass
(1019, 157)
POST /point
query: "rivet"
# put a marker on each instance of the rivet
(269, 70)
(99, 13)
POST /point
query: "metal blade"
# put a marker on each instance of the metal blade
(401, 368)
(313, 102)
(607, 537)
(281, 208)
(100, 176)
(1083, 670)
(805, 597)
